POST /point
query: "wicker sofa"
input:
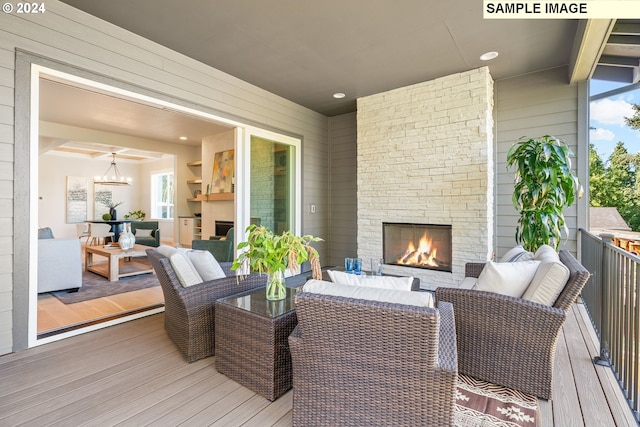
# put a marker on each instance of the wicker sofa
(190, 311)
(358, 362)
(511, 341)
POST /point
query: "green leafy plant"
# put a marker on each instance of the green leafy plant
(544, 185)
(136, 215)
(106, 217)
(267, 252)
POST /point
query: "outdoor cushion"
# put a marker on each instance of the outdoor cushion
(507, 278)
(517, 253)
(166, 250)
(550, 278)
(205, 264)
(143, 233)
(385, 282)
(186, 272)
(420, 299)
(468, 283)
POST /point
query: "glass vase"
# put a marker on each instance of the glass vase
(276, 289)
(127, 238)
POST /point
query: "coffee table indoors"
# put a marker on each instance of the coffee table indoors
(252, 346)
(112, 269)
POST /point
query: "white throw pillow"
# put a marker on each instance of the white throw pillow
(546, 253)
(186, 272)
(141, 232)
(420, 299)
(507, 278)
(517, 254)
(549, 280)
(166, 250)
(468, 283)
(205, 264)
(384, 282)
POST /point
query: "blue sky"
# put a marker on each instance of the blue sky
(607, 117)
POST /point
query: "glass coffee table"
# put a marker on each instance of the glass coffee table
(252, 341)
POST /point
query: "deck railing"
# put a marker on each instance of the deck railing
(612, 299)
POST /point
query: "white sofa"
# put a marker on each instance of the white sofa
(59, 265)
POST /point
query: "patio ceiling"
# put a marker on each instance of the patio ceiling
(307, 51)
(620, 59)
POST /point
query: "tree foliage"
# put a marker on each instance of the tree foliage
(615, 184)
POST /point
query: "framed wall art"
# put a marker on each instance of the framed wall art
(76, 199)
(222, 177)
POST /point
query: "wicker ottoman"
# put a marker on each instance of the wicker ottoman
(252, 346)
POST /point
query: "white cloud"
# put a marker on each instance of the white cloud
(610, 112)
(601, 134)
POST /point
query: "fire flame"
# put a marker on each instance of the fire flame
(425, 255)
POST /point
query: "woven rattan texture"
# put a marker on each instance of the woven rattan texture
(190, 312)
(511, 341)
(358, 363)
(253, 350)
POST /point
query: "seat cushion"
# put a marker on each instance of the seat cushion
(166, 250)
(140, 232)
(550, 278)
(516, 254)
(384, 282)
(205, 264)
(186, 272)
(507, 278)
(420, 299)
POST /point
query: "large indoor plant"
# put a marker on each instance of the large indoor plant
(270, 253)
(544, 185)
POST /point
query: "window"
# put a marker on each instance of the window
(162, 195)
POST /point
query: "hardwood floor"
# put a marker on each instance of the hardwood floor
(131, 374)
(54, 315)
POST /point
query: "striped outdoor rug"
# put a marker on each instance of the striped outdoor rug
(483, 404)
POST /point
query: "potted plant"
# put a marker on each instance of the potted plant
(136, 215)
(271, 253)
(544, 186)
(112, 209)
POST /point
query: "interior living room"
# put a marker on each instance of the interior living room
(389, 114)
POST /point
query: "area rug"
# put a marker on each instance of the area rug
(96, 286)
(483, 404)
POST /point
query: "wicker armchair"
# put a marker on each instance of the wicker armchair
(189, 312)
(358, 362)
(511, 341)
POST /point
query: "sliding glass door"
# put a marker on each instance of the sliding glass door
(270, 187)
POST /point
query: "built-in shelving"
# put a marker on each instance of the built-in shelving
(212, 197)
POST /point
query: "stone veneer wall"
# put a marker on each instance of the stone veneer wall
(425, 155)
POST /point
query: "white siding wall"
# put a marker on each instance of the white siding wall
(533, 105)
(78, 40)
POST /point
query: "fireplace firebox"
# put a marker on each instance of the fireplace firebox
(417, 245)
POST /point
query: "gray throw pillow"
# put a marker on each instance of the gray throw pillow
(45, 233)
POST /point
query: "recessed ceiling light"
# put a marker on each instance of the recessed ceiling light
(488, 56)
(183, 138)
(339, 95)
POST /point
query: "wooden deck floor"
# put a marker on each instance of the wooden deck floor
(131, 374)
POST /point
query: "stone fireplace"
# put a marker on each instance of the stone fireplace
(425, 156)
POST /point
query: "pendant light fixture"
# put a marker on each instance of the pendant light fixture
(112, 175)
